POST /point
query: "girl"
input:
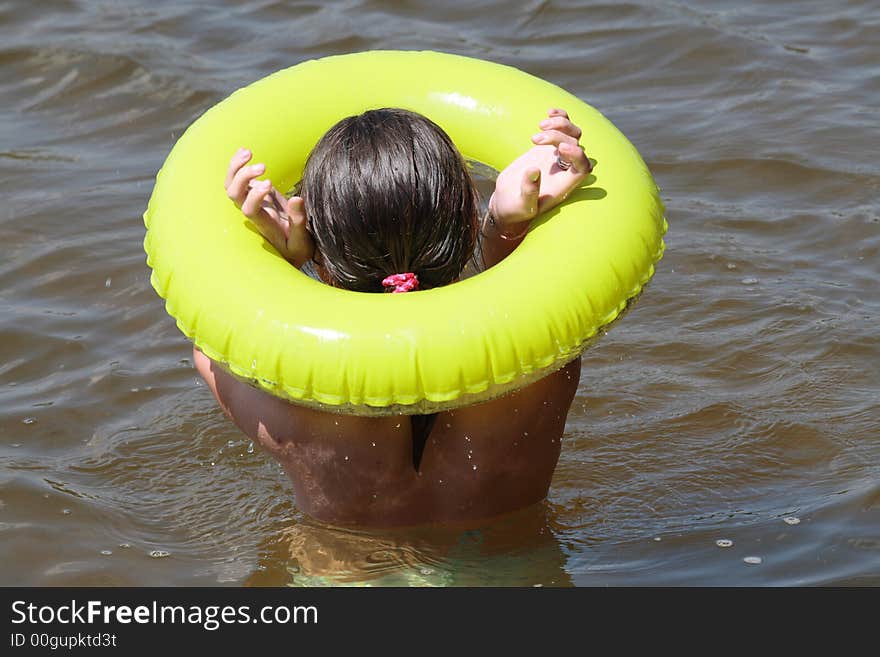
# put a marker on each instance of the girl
(386, 203)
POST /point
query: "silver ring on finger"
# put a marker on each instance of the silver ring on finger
(565, 165)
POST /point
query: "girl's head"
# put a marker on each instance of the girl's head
(387, 192)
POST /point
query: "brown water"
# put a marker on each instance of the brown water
(737, 402)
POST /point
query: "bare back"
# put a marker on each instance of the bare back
(460, 465)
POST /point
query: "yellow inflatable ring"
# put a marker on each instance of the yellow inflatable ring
(375, 354)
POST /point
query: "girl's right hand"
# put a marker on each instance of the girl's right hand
(280, 220)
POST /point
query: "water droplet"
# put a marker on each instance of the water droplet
(731, 266)
(372, 444)
(467, 438)
(749, 280)
(448, 426)
(29, 420)
(107, 282)
(65, 511)
(230, 443)
(159, 554)
(346, 458)
(791, 520)
(125, 546)
(525, 434)
(440, 480)
(250, 449)
(724, 542)
(753, 560)
(658, 539)
(427, 571)
(475, 467)
(397, 426)
(107, 552)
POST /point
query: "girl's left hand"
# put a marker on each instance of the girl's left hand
(535, 181)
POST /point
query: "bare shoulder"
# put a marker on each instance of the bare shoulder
(547, 398)
(500, 455)
(274, 421)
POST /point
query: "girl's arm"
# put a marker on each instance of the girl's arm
(535, 182)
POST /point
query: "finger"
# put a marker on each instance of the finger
(529, 189)
(576, 155)
(300, 244)
(296, 210)
(554, 137)
(253, 202)
(279, 199)
(562, 124)
(237, 190)
(262, 213)
(274, 199)
(241, 157)
(555, 111)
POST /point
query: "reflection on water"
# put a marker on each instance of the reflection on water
(741, 390)
(518, 549)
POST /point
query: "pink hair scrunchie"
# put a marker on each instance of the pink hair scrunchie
(401, 282)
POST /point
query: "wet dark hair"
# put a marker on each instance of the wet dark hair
(387, 192)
